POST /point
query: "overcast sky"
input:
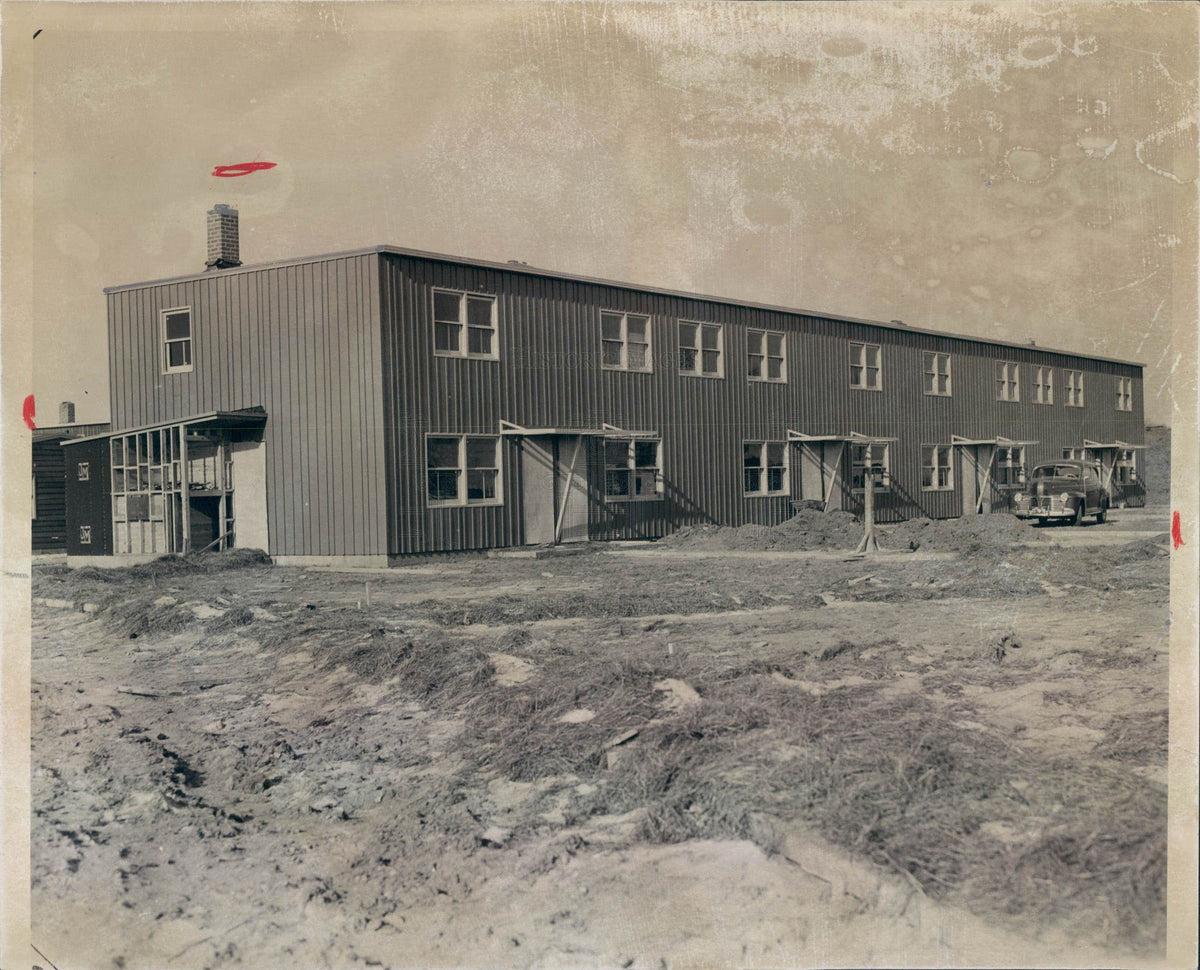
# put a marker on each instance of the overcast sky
(1022, 171)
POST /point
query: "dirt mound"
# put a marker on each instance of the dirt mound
(807, 529)
(968, 535)
(1140, 549)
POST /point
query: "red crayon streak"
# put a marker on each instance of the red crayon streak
(27, 413)
(1176, 531)
(244, 168)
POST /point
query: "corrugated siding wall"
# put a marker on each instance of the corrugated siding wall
(302, 341)
(549, 375)
(49, 526)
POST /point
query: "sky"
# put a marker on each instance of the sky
(1021, 171)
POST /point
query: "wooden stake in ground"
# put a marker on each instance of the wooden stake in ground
(868, 543)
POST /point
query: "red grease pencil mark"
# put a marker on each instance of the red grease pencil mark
(1176, 531)
(27, 413)
(243, 168)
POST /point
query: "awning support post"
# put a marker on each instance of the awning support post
(869, 544)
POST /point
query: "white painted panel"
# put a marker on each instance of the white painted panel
(250, 495)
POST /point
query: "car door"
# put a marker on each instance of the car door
(1091, 489)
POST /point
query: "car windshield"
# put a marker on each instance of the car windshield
(1057, 471)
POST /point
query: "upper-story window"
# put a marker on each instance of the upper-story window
(177, 340)
(625, 341)
(766, 356)
(937, 374)
(701, 348)
(1043, 385)
(1074, 389)
(1124, 394)
(866, 372)
(464, 325)
(1008, 376)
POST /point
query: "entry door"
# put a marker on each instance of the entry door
(823, 467)
(537, 488)
(975, 474)
(554, 468)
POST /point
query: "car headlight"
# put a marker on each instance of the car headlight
(1019, 498)
(1065, 497)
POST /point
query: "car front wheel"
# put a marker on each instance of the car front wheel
(1102, 515)
(1077, 518)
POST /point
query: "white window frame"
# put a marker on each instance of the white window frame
(765, 356)
(936, 481)
(187, 342)
(698, 369)
(85, 535)
(1125, 466)
(631, 469)
(862, 454)
(1010, 464)
(934, 370)
(1043, 385)
(83, 471)
(1008, 381)
(763, 447)
(462, 499)
(1124, 400)
(464, 324)
(624, 338)
(1075, 454)
(858, 360)
(1074, 389)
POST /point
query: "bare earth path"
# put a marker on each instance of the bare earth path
(270, 775)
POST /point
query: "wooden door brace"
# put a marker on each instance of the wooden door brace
(562, 509)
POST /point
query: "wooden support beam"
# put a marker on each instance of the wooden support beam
(869, 543)
(562, 509)
(837, 467)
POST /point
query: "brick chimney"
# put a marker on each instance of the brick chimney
(66, 412)
(222, 238)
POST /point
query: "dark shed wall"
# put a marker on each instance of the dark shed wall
(549, 375)
(49, 526)
(300, 340)
(88, 502)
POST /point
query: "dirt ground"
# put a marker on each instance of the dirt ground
(656, 756)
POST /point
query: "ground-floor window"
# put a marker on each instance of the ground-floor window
(764, 468)
(874, 456)
(1125, 467)
(632, 469)
(1075, 454)
(937, 472)
(463, 469)
(1010, 466)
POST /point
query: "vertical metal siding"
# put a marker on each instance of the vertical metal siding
(302, 341)
(549, 375)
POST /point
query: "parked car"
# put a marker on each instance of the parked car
(1064, 490)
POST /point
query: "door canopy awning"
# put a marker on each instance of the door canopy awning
(604, 431)
(853, 436)
(1000, 440)
(1100, 446)
(245, 419)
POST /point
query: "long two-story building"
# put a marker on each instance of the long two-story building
(370, 404)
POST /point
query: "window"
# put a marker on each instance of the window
(937, 374)
(1074, 382)
(1075, 454)
(1124, 394)
(83, 471)
(1007, 378)
(865, 372)
(625, 341)
(1043, 385)
(177, 340)
(1125, 467)
(1010, 466)
(937, 474)
(700, 346)
(85, 535)
(464, 325)
(764, 468)
(462, 470)
(632, 469)
(766, 357)
(873, 455)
